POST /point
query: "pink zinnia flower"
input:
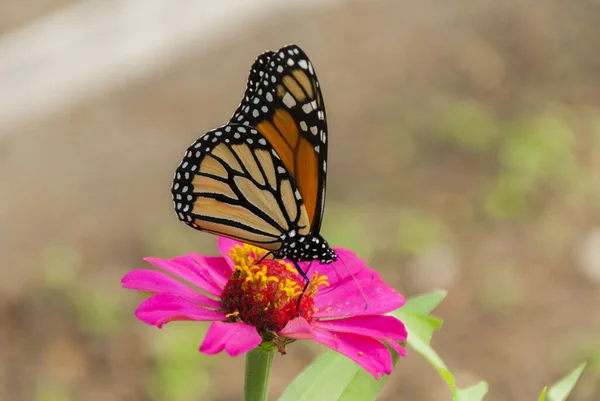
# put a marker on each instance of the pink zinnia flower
(251, 303)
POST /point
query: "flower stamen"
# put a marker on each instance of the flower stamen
(265, 294)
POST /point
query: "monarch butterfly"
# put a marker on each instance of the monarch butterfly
(260, 178)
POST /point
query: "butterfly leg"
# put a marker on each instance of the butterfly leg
(307, 281)
(264, 257)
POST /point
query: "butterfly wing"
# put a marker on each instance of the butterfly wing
(283, 101)
(232, 182)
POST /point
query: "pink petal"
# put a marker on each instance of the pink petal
(234, 338)
(214, 270)
(354, 289)
(299, 329)
(165, 307)
(382, 328)
(373, 356)
(354, 298)
(156, 281)
(196, 269)
(347, 265)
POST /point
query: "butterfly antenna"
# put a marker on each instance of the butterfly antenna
(360, 289)
(307, 282)
(264, 257)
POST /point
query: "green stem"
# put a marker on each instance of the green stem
(258, 371)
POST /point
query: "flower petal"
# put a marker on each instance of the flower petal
(214, 270)
(157, 281)
(347, 265)
(165, 307)
(354, 289)
(234, 338)
(207, 273)
(373, 356)
(381, 328)
(348, 300)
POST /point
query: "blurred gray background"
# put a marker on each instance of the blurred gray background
(464, 155)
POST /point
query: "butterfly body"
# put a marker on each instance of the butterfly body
(305, 249)
(260, 178)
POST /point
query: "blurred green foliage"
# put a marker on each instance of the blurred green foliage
(179, 373)
(469, 125)
(538, 148)
(502, 288)
(418, 230)
(98, 311)
(51, 392)
(534, 151)
(61, 266)
(531, 152)
(346, 226)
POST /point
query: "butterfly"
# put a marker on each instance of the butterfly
(260, 178)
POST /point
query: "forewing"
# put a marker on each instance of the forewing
(283, 101)
(231, 182)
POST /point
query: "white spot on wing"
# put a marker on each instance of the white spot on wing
(303, 126)
(303, 64)
(288, 100)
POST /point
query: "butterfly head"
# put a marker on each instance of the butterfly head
(305, 248)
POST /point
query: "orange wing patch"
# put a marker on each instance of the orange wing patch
(307, 178)
(283, 149)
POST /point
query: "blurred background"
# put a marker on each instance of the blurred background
(464, 155)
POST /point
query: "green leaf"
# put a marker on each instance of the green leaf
(425, 303)
(334, 377)
(543, 395)
(561, 390)
(420, 326)
(473, 393)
